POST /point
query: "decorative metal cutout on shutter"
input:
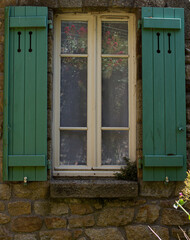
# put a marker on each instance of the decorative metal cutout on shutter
(25, 94)
(164, 104)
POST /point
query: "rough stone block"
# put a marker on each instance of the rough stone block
(69, 4)
(6, 237)
(26, 224)
(148, 213)
(59, 208)
(177, 232)
(4, 218)
(4, 230)
(55, 222)
(96, 3)
(25, 237)
(81, 209)
(167, 203)
(174, 217)
(1, 101)
(83, 221)
(19, 208)
(179, 187)
(115, 217)
(49, 3)
(187, 71)
(104, 234)
(55, 235)
(156, 189)
(41, 207)
(77, 233)
(5, 192)
(34, 190)
(2, 206)
(124, 203)
(93, 189)
(188, 115)
(1, 81)
(140, 232)
(5, 3)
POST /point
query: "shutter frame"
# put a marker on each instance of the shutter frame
(163, 86)
(25, 156)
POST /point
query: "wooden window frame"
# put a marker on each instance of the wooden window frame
(93, 167)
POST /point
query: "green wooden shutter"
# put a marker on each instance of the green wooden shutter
(25, 94)
(164, 115)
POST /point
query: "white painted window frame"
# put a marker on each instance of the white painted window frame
(93, 167)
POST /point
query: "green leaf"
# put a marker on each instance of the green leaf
(181, 201)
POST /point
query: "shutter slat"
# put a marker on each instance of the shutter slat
(18, 101)
(163, 161)
(26, 161)
(180, 94)
(20, 22)
(5, 98)
(147, 59)
(158, 83)
(30, 95)
(169, 23)
(41, 94)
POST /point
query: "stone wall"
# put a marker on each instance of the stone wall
(32, 212)
(43, 211)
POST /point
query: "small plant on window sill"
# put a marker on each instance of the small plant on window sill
(128, 172)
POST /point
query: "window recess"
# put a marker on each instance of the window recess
(94, 94)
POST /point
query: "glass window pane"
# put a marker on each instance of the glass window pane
(73, 98)
(74, 37)
(73, 147)
(115, 147)
(115, 92)
(114, 37)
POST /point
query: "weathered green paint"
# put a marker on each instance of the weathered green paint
(27, 73)
(16, 22)
(148, 93)
(26, 161)
(158, 22)
(6, 98)
(163, 98)
(163, 161)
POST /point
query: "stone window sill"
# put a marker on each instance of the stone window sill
(99, 188)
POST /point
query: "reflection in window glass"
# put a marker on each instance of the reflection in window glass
(73, 147)
(74, 37)
(115, 92)
(115, 37)
(114, 147)
(73, 95)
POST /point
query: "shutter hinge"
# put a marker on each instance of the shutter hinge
(140, 24)
(49, 164)
(50, 23)
(140, 163)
